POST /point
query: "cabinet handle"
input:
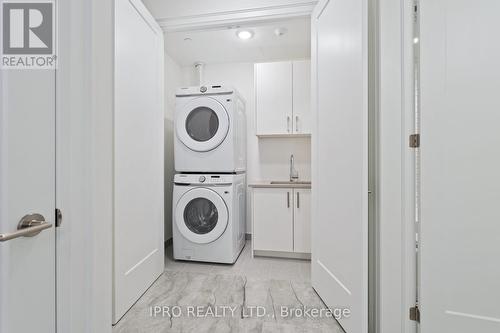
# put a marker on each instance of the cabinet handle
(298, 200)
(288, 199)
(297, 124)
(288, 124)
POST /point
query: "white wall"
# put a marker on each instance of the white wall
(267, 158)
(173, 80)
(176, 8)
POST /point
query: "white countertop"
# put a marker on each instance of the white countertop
(280, 184)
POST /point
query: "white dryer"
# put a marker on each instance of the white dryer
(209, 217)
(210, 130)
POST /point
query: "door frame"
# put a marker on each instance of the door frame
(393, 234)
(84, 164)
(396, 169)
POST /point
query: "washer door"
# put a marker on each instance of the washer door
(202, 124)
(201, 215)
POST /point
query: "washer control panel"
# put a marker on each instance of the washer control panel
(203, 179)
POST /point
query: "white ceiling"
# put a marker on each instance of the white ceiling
(221, 45)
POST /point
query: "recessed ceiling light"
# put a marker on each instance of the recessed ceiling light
(244, 34)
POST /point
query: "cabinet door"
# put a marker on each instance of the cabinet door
(302, 221)
(273, 98)
(302, 97)
(272, 219)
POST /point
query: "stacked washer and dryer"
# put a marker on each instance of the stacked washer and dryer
(209, 196)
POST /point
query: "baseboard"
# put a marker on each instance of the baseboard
(280, 254)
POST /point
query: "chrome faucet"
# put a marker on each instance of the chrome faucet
(294, 174)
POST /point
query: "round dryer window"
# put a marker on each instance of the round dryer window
(202, 124)
(201, 215)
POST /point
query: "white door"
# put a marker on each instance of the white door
(273, 98)
(202, 124)
(27, 186)
(201, 215)
(460, 165)
(302, 221)
(340, 161)
(302, 97)
(138, 183)
(272, 217)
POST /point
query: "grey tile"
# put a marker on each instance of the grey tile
(266, 283)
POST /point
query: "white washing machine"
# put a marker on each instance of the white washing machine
(210, 130)
(209, 217)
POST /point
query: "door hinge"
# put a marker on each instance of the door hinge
(415, 141)
(415, 314)
(58, 217)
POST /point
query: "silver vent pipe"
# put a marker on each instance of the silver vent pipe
(200, 68)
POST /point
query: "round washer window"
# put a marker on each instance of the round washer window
(201, 216)
(202, 124)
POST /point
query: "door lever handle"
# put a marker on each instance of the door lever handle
(29, 226)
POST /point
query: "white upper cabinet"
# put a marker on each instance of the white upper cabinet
(282, 98)
(273, 91)
(301, 97)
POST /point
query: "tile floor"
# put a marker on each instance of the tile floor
(260, 267)
(249, 296)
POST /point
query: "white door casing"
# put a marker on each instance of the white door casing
(460, 163)
(340, 160)
(138, 158)
(27, 185)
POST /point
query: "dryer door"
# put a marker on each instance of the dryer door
(201, 215)
(202, 124)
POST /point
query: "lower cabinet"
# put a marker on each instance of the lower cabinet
(302, 220)
(281, 220)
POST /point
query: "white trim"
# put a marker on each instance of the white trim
(248, 16)
(320, 8)
(84, 165)
(397, 261)
(146, 16)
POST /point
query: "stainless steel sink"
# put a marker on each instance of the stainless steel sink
(287, 182)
